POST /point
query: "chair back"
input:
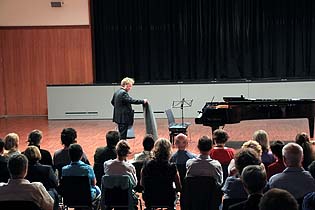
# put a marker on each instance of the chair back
(158, 192)
(18, 205)
(75, 191)
(116, 192)
(138, 166)
(170, 117)
(200, 193)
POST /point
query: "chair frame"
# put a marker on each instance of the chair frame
(173, 127)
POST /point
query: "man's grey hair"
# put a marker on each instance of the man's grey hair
(293, 154)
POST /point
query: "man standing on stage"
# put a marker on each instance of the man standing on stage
(123, 113)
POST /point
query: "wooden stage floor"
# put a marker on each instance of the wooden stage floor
(91, 133)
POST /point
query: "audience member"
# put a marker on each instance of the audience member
(160, 166)
(146, 154)
(308, 201)
(41, 173)
(219, 152)
(303, 140)
(277, 199)
(233, 187)
(248, 144)
(254, 179)
(61, 156)
(278, 166)
(79, 168)
(35, 139)
(120, 165)
(11, 144)
(103, 154)
(4, 172)
(203, 164)
(262, 138)
(294, 178)
(18, 188)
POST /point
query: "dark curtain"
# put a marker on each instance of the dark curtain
(203, 40)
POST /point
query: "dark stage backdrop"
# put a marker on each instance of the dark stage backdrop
(203, 40)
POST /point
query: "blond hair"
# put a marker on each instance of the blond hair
(127, 80)
(33, 154)
(262, 138)
(162, 149)
(254, 145)
(11, 141)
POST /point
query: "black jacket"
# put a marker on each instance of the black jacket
(123, 113)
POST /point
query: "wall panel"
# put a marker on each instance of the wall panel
(35, 57)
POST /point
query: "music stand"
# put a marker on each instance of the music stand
(181, 104)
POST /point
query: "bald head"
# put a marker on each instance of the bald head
(181, 141)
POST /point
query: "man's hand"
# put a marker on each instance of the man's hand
(145, 101)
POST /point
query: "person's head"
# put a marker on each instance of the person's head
(254, 145)
(276, 148)
(75, 152)
(204, 145)
(122, 149)
(17, 166)
(162, 149)
(11, 142)
(1, 146)
(112, 138)
(220, 137)
(148, 142)
(278, 199)
(302, 138)
(127, 83)
(262, 138)
(68, 136)
(292, 155)
(254, 178)
(245, 157)
(35, 137)
(33, 154)
(181, 141)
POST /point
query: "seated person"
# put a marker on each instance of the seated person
(35, 139)
(41, 173)
(294, 178)
(262, 138)
(233, 187)
(61, 156)
(79, 168)
(277, 166)
(19, 188)
(160, 167)
(277, 199)
(11, 144)
(303, 140)
(203, 164)
(309, 201)
(103, 154)
(248, 144)
(146, 154)
(219, 152)
(254, 179)
(4, 172)
(120, 165)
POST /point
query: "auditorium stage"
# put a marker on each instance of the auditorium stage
(91, 133)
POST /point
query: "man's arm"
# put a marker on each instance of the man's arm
(45, 200)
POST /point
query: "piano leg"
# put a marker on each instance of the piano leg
(311, 126)
(213, 128)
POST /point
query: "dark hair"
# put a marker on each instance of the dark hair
(303, 140)
(68, 136)
(245, 157)
(220, 136)
(122, 148)
(254, 178)
(17, 164)
(276, 148)
(311, 169)
(75, 152)
(1, 144)
(277, 199)
(204, 144)
(34, 137)
(148, 142)
(112, 138)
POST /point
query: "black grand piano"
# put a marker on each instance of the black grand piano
(236, 109)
